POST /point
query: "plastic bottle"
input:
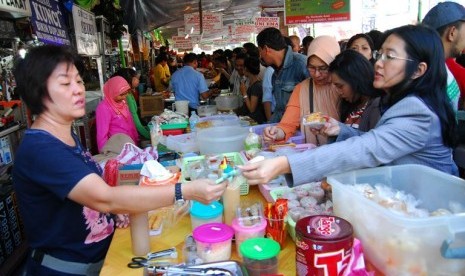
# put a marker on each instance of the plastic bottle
(140, 237)
(193, 120)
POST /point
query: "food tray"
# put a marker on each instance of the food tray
(235, 157)
(277, 193)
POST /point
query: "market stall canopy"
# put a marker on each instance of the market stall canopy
(147, 15)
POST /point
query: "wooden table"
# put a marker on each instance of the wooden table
(120, 253)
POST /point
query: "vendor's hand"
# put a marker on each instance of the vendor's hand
(122, 220)
(331, 128)
(215, 92)
(264, 171)
(273, 133)
(203, 190)
(243, 88)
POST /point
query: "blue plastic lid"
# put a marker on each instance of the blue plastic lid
(213, 233)
(209, 211)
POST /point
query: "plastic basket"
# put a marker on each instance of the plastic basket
(174, 126)
(233, 157)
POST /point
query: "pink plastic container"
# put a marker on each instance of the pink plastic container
(213, 242)
(243, 232)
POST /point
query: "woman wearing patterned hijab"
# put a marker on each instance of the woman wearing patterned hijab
(112, 114)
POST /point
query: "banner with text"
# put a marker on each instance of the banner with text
(86, 32)
(48, 23)
(21, 7)
(211, 23)
(315, 11)
(182, 44)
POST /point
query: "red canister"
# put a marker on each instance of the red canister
(323, 245)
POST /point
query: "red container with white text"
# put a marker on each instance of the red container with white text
(323, 245)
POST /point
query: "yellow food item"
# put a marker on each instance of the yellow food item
(315, 117)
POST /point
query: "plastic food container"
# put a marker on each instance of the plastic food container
(227, 102)
(222, 120)
(260, 256)
(243, 232)
(182, 143)
(206, 110)
(203, 214)
(213, 242)
(221, 139)
(394, 243)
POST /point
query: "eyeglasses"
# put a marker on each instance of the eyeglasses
(384, 57)
(321, 69)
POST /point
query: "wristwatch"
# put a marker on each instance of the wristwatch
(178, 199)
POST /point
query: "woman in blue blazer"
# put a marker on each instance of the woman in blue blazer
(417, 124)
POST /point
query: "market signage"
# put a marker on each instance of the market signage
(315, 11)
(241, 29)
(211, 23)
(47, 22)
(266, 22)
(16, 6)
(181, 43)
(86, 32)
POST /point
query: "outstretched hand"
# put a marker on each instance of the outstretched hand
(264, 171)
(203, 190)
(331, 128)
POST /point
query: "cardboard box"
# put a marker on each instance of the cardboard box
(129, 174)
(151, 105)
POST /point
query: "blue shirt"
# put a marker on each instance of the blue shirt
(188, 84)
(45, 172)
(293, 71)
(268, 87)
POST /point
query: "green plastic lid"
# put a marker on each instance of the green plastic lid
(259, 248)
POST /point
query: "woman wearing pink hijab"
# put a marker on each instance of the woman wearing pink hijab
(112, 114)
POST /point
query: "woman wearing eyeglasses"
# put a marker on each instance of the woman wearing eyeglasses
(417, 124)
(315, 94)
(112, 113)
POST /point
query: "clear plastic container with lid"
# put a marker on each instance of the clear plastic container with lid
(260, 256)
(203, 214)
(213, 242)
(244, 232)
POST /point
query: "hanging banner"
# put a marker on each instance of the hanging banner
(211, 23)
(315, 11)
(48, 23)
(19, 8)
(266, 22)
(181, 43)
(86, 32)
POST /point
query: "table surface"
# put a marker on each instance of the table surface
(120, 253)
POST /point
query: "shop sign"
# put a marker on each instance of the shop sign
(16, 6)
(305, 11)
(266, 22)
(211, 23)
(181, 43)
(86, 32)
(47, 22)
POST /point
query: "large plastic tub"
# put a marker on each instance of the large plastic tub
(221, 139)
(400, 245)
